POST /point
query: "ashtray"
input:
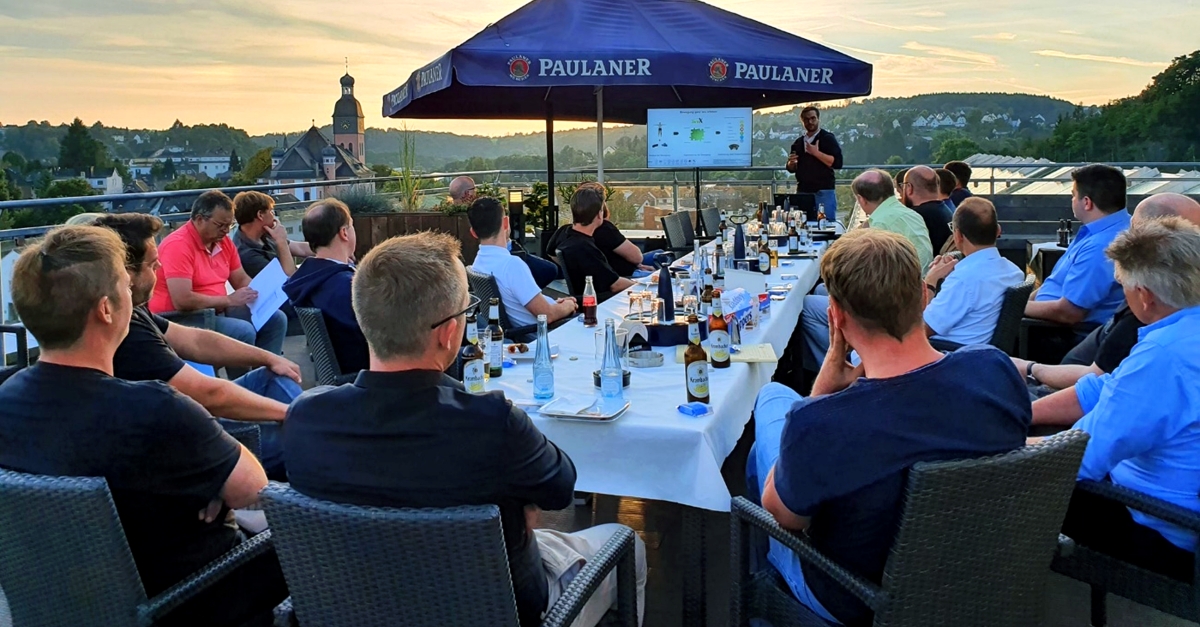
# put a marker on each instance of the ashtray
(624, 378)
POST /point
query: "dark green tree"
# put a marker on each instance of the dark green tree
(169, 169)
(955, 149)
(41, 216)
(255, 168)
(78, 151)
(235, 164)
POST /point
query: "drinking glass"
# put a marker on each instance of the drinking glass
(689, 304)
(744, 266)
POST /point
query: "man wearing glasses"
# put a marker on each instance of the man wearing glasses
(406, 435)
(197, 260)
(814, 157)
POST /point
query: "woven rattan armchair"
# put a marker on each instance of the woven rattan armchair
(973, 546)
(22, 351)
(350, 566)
(324, 358)
(1107, 574)
(66, 561)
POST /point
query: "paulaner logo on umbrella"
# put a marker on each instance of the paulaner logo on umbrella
(718, 70)
(518, 68)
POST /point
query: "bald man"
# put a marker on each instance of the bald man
(922, 193)
(462, 192)
(1109, 344)
(967, 294)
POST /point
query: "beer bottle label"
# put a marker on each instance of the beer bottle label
(718, 342)
(473, 376)
(764, 262)
(694, 334)
(497, 353)
(793, 243)
(697, 379)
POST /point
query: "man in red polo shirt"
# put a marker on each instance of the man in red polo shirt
(196, 262)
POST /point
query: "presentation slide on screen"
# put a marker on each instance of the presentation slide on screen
(698, 138)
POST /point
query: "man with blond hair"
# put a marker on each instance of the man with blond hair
(173, 472)
(406, 435)
(834, 464)
(261, 238)
(1144, 417)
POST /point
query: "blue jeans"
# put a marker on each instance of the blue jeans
(263, 382)
(236, 324)
(828, 197)
(771, 409)
(814, 324)
(544, 271)
(648, 258)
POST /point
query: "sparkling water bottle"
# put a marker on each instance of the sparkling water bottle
(543, 369)
(611, 370)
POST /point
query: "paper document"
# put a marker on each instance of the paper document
(269, 285)
(747, 354)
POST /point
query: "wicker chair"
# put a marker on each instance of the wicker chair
(377, 567)
(712, 220)
(972, 547)
(1107, 574)
(66, 561)
(22, 337)
(200, 318)
(1007, 325)
(673, 228)
(1029, 324)
(484, 287)
(324, 358)
(245, 432)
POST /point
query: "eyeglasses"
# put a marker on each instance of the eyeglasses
(221, 226)
(471, 305)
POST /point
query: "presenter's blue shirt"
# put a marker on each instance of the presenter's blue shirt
(1084, 275)
(1144, 420)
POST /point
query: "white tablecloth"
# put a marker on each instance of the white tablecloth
(652, 451)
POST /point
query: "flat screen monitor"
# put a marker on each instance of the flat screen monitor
(699, 138)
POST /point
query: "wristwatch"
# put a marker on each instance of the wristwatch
(1029, 374)
(935, 288)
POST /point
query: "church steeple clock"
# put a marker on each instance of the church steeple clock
(349, 130)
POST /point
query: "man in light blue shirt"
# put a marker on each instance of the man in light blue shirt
(1082, 288)
(967, 295)
(1144, 418)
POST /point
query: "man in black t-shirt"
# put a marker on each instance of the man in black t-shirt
(580, 253)
(623, 255)
(173, 472)
(152, 351)
(922, 193)
(813, 158)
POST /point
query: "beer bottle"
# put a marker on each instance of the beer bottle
(495, 340)
(695, 364)
(706, 297)
(764, 253)
(719, 262)
(718, 333)
(589, 304)
(821, 217)
(470, 359)
(774, 252)
(793, 238)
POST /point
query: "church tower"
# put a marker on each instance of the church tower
(349, 131)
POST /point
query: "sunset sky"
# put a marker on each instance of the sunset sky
(273, 65)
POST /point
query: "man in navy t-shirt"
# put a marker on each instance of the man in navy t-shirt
(834, 465)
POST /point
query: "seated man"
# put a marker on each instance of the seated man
(922, 193)
(623, 255)
(1082, 288)
(545, 272)
(406, 435)
(323, 282)
(1109, 344)
(1144, 418)
(946, 183)
(173, 472)
(155, 349)
(873, 192)
(834, 465)
(261, 238)
(196, 262)
(962, 174)
(582, 257)
(520, 294)
(968, 294)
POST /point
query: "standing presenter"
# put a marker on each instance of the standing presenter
(814, 157)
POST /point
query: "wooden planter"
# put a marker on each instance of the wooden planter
(373, 228)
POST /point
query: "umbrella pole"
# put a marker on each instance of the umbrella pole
(553, 208)
(600, 134)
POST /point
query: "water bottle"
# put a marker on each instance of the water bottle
(543, 369)
(666, 293)
(611, 369)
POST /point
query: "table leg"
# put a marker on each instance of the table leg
(695, 565)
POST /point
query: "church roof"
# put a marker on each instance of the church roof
(303, 160)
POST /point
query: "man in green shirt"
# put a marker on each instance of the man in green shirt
(876, 194)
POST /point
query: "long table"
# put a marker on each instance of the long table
(653, 451)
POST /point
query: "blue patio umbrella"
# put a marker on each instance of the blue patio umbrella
(612, 60)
